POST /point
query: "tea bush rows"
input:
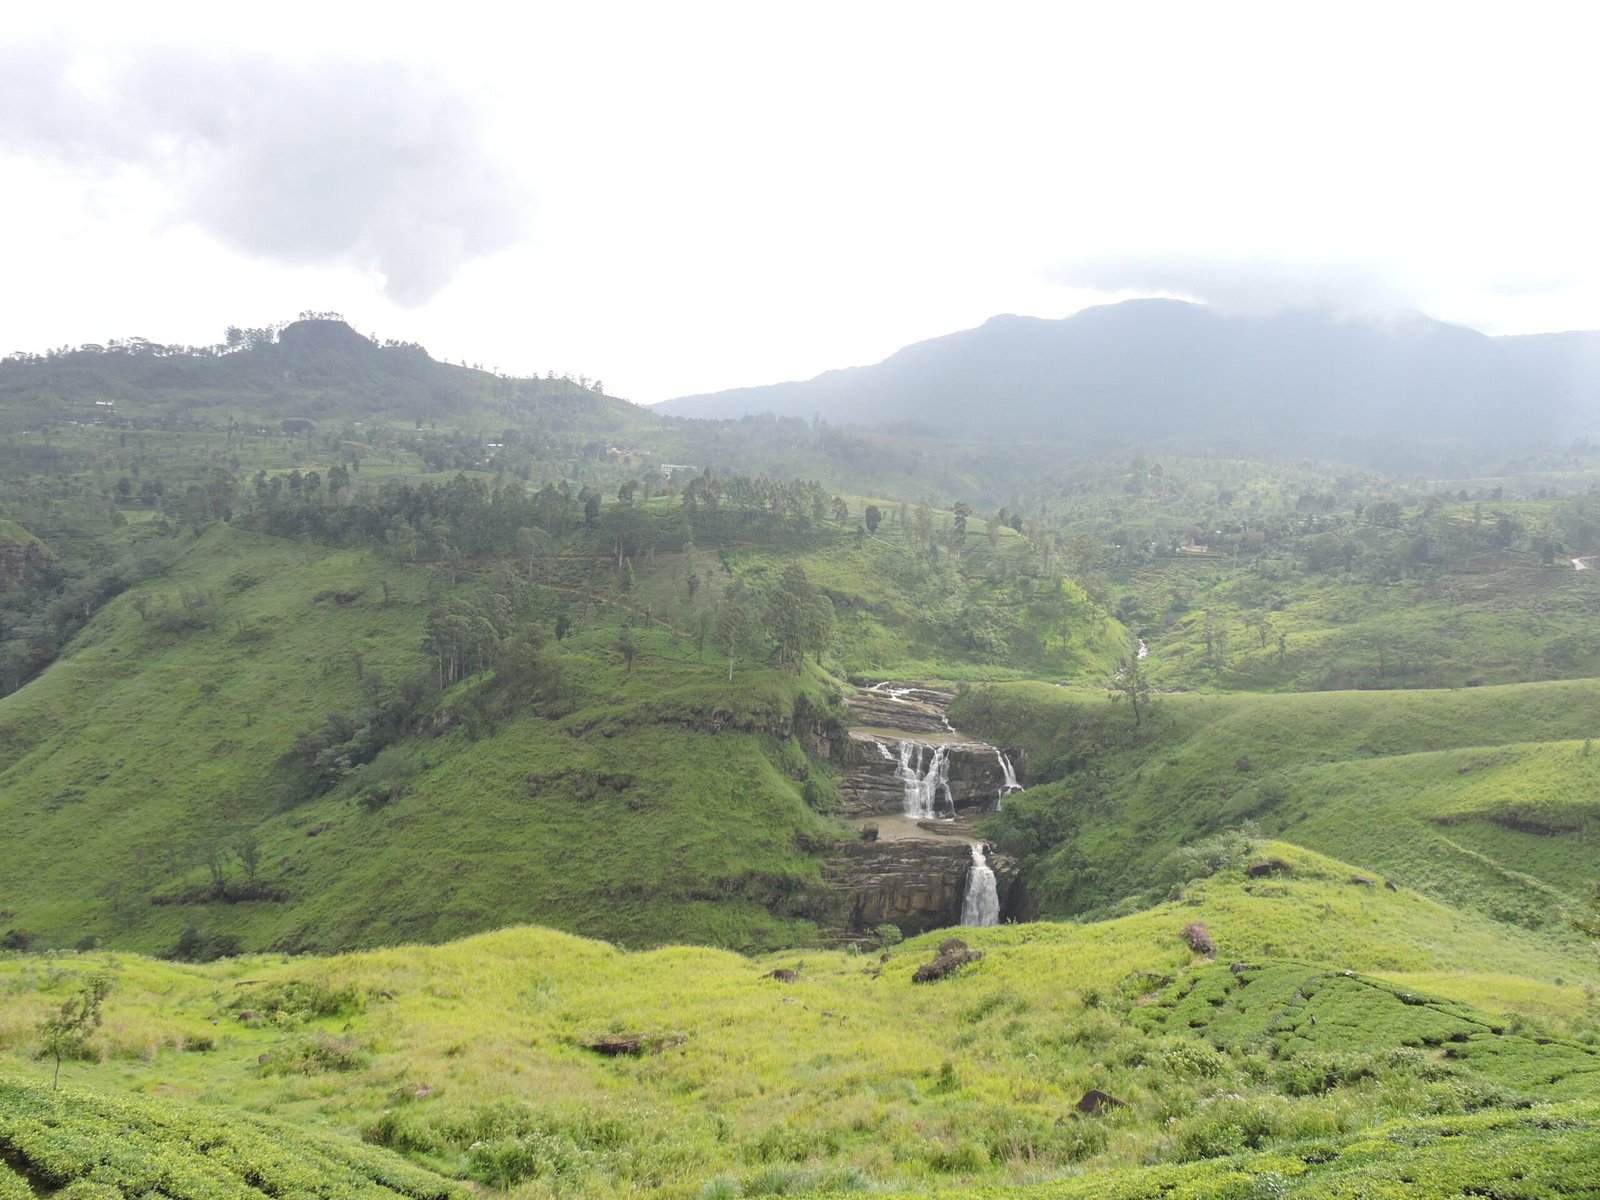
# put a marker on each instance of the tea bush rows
(92, 1146)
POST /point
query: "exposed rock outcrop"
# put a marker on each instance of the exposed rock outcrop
(907, 707)
(945, 964)
(916, 884)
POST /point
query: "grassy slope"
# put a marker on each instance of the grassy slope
(142, 747)
(856, 1074)
(1525, 623)
(1478, 796)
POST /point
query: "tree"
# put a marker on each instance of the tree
(1130, 684)
(962, 511)
(924, 525)
(627, 647)
(737, 624)
(874, 518)
(66, 1031)
(249, 852)
(799, 618)
(1588, 920)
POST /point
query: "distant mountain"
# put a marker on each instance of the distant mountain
(314, 368)
(1164, 370)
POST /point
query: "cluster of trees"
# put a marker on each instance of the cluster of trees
(788, 620)
(465, 517)
(795, 505)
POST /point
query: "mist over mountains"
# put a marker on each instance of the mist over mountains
(1165, 370)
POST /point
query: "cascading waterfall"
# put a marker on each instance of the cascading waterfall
(981, 904)
(1010, 785)
(924, 771)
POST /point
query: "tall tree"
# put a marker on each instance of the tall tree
(1130, 684)
(738, 624)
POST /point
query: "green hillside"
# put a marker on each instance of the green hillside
(162, 749)
(1483, 797)
(445, 771)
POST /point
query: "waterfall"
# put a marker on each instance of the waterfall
(981, 903)
(925, 776)
(883, 751)
(1010, 785)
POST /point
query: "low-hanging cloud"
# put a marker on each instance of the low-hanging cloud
(1239, 285)
(382, 165)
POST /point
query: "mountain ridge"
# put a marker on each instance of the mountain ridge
(1158, 370)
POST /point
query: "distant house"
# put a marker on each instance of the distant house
(670, 469)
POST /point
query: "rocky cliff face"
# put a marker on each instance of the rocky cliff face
(902, 756)
(907, 708)
(916, 885)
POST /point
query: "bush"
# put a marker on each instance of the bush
(1224, 851)
(318, 1054)
(505, 1162)
(295, 1000)
(966, 1157)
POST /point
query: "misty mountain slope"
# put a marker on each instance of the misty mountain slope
(319, 369)
(1164, 370)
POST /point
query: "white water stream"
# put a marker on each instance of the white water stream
(1010, 785)
(980, 906)
(924, 771)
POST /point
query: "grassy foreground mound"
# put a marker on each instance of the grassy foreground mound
(484, 1058)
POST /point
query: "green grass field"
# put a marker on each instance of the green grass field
(470, 1057)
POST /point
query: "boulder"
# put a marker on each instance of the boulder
(929, 972)
(1095, 1103)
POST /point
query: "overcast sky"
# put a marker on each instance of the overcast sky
(680, 197)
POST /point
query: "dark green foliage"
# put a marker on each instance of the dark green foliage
(139, 1147)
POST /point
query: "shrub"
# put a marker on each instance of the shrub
(1226, 850)
(506, 1162)
(316, 1055)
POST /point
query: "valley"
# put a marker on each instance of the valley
(455, 794)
